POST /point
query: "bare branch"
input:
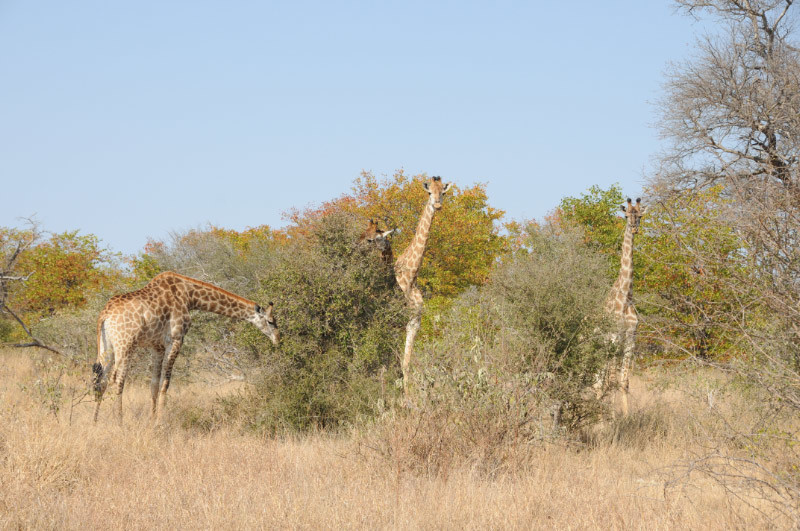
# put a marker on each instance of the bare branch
(22, 278)
(34, 341)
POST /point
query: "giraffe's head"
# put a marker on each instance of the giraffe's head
(436, 189)
(373, 235)
(380, 239)
(634, 213)
(264, 319)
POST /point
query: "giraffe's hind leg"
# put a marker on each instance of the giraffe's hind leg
(155, 377)
(118, 378)
(121, 350)
(100, 368)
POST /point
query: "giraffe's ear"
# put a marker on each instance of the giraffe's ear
(427, 186)
(622, 207)
(259, 309)
(447, 187)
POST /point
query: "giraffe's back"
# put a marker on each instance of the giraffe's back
(142, 317)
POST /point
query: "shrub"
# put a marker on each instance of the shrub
(508, 356)
(340, 315)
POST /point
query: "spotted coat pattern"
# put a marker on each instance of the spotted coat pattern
(619, 304)
(408, 264)
(157, 317)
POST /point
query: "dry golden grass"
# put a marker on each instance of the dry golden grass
(57, 474)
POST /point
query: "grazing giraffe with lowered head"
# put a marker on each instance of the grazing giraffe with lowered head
(157, 317)
(619, 304)
(408, 263)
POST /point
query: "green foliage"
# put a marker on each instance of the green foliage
(340, 316)
(685, 255)
(144, 266)
(67, 269)
(465, 240)
(595, 212)
(686, 259)
(338, 309)
(524, 344)
(7, 329)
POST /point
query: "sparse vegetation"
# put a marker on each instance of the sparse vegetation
(503, 428)
(502, 379)
(57, 473)
(511, 362)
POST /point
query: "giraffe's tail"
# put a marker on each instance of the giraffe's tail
(101, 367)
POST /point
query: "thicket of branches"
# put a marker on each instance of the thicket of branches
(730, 116)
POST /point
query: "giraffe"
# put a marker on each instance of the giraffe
(379, 238)
(619, 303)
(157, 317)
(407, 266)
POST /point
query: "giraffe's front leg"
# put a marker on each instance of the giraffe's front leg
(412, 328)
(175, 348)
(626, 363)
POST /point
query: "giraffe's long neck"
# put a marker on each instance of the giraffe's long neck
(408, 264)
(622, 292)
(210, 298)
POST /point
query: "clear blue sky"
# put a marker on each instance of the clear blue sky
(132, 119)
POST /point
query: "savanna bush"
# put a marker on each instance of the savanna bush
(340, 315)
(338, 308)
(511, 354)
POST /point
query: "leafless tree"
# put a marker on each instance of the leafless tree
(731, 116)
(730, 112)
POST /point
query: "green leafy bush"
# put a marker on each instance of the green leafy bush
(341, 318)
